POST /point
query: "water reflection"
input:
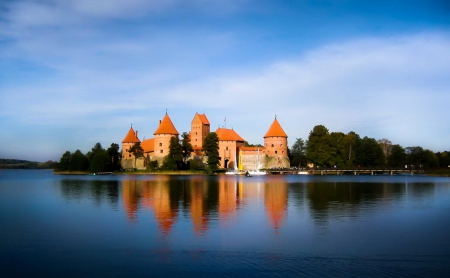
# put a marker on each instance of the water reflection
(99, 191)
(204, 201)
(348, 200)
(276, 202)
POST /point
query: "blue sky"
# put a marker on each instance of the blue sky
(77, 72)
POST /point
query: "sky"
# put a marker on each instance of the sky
(77, 72)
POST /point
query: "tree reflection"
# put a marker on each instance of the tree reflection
(98, 191)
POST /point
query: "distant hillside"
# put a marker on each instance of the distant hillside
(24, 164)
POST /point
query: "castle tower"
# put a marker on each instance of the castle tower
(200, 128)
(163, 133)
(275, 143)
(130, 139)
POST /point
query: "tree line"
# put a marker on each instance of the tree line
(97, 159)
(337, 149)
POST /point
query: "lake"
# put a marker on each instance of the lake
(208, 226)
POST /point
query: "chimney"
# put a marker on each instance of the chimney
(137, 134)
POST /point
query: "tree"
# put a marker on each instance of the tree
(298, 153)
(418, 157)
(174, 159)
(186, 147)
(211, 149)
(337, 149)
(397, 157)
(369, 153)
(349, 147)
(79, 162)
(65, 161)
(96, 149)
(386, 146)
(137, 152)
(100, 162)
(114, 155)
(443, 159)
(318, 148)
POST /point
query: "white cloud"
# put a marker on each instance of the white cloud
(394, 87)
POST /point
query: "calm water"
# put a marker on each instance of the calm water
(275, 226)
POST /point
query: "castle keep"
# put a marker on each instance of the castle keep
(232, 150)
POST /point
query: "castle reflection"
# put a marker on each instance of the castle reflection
(203, 200)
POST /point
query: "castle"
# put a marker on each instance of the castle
(232, 150)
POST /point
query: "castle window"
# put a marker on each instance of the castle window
(129, 155)
(272, 145)
(196, 133)
(161, 151)
(276, 152)
(160, 144)
(227, 148)
(282, 152)
(281, 145)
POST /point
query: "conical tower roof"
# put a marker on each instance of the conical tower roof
(275, 130)
(166, 127)
(131, 137)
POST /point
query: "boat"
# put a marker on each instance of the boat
(304, 172)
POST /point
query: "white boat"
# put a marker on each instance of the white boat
(257, 173)
(304, 173)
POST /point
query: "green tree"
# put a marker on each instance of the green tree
(397, 157)
(443, 159)
(96, 149)
(114, 155)
(186, 148)
(65, 161)
(318, 148)
(338, 149)
(369, 153)
(137, 152)
(100, 162)
(298, 153)
(174, 160)
(211, 149)
(79, 162)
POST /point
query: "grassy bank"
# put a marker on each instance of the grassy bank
(445, 172)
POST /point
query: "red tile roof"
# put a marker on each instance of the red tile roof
(225, 134)
(275, 130)
(131, 137)
(148, 145)
(255, 149)
(166, 127)
(202, 118)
